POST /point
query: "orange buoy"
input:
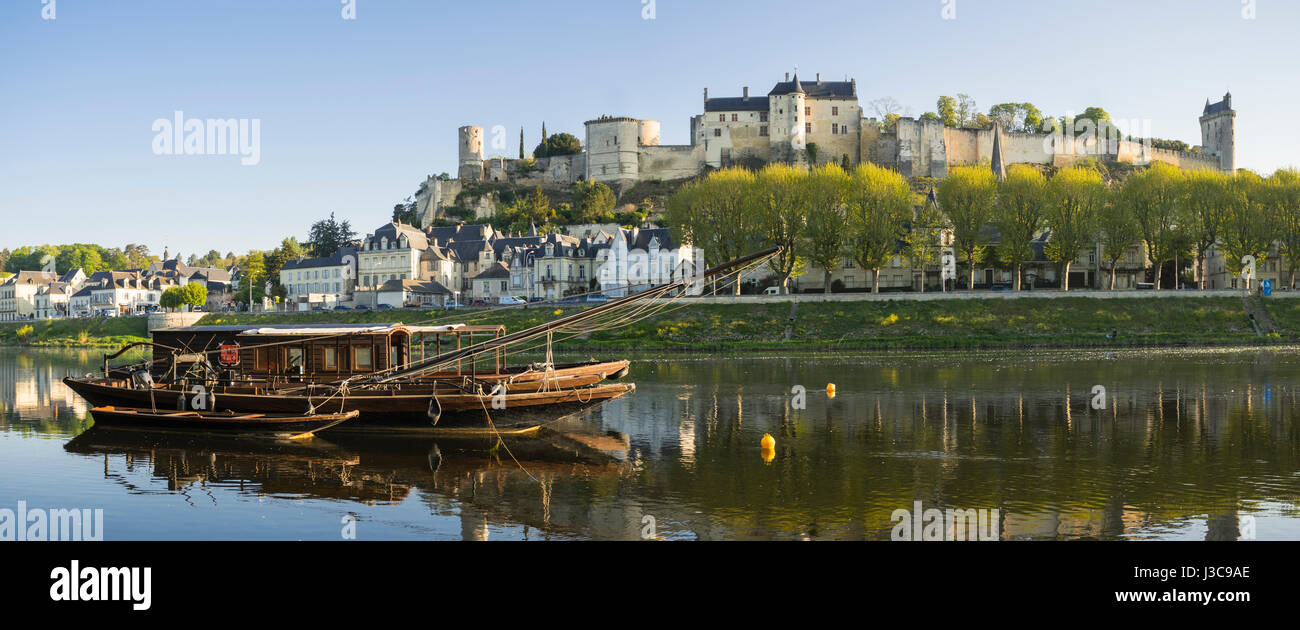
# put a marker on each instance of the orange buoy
(768, 442)
(830, 390)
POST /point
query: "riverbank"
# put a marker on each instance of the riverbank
(1065, 322)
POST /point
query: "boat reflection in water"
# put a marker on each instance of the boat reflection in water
(449, 474)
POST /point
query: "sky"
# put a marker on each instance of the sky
(356, 101)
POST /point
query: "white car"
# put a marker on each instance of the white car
(506, 299)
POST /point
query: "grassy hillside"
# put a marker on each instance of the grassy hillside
(97, 331)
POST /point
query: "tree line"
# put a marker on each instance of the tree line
(868, 215)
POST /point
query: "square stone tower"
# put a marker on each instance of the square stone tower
(1219, 134)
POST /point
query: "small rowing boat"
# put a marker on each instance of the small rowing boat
(226, 422)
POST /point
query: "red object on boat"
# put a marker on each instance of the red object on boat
(230, 354)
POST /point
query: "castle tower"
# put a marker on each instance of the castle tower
(1219, 134)
(613, 149)
(471, 153)
(789, 120)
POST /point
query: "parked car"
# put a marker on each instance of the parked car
(537, 299)
(1146, 286)
(384, 307)
(480, 303)
(772, 291)
(450, 305)
(596, 298)
(363, 307)
(506, 299)
(1000, 287)
(342, 308)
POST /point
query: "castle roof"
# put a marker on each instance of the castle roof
(819, 89)
(1222, 106)
(737, 104)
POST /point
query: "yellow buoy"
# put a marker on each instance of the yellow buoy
(768, 442)
(768, 454)
(830, 390)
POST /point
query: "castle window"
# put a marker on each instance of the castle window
(733, 118)
(835, 128)
(722, 118)
(807, 111)
(717, 133)
(807, 127)
(835, 111)
(762, 117)
(762, 131)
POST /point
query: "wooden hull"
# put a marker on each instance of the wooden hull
(393, 406)
(242, 424)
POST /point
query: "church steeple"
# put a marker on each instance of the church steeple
(999, 166)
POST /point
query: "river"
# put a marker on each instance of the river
(1180, 444)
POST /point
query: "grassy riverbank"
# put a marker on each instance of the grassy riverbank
(88, 332)
(1064, 322)
(814, 326)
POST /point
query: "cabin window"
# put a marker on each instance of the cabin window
(331, 358)
(262, 357)
(293, 360)
(361, 358)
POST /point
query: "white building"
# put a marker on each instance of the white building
(325, 281)
(18, 294)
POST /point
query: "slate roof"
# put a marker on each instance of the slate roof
(816, 89)
(497, 270)
(415, 286)
(325, 261)
(738, 104)
(1214, 108)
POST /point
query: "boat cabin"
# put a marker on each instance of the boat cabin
(319, 352)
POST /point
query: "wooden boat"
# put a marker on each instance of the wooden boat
(243, 424)
(394, 405)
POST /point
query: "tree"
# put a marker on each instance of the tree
(252, 280)
(966, 197)
(922, 238)
(784, 218)
(1117, 231)
(1152, 196)
(593, 202)
(288, 250)
(327, 236)
(878, 205)
(824, 190)
(1017, 116)
(557, 145)
(966, 109)
(947, 111)
(1245, 224)
(521, 143)
(1205, 199)
(537, 208)
(1285, 213)
(718, 214)
(1075, 196)
(171, 298)
(194, 294)
(1018, 214)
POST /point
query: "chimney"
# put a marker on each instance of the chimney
(819, 78)
(706, 94)
(787, 76)
(747, 92)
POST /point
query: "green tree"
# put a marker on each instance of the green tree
(328, 235)
(878, 205)
(1285, 214)
(718, 214)
(947, 111)
(1205, 199)
(1152, 196)
(557, 145)
(171, 299)
(1117, 231)
(1018, 215)
(825, 190)
(784, 218)
(1245, 229)
(921, 241)
(252, 279)
(966, 197)
(194, 294)
(593, 202)
(1075, 197)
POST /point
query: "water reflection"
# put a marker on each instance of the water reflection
(1189, 445)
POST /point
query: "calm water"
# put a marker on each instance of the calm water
(1189, 445)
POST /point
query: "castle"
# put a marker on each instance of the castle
(802, 122)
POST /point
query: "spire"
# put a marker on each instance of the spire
(532, 229)
(999, 168)
(797, 87)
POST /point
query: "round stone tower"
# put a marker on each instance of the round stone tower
(788, 122)
(471, 153)
(1219, 134)
(613, 149)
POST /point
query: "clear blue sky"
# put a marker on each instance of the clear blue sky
(354, 113)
